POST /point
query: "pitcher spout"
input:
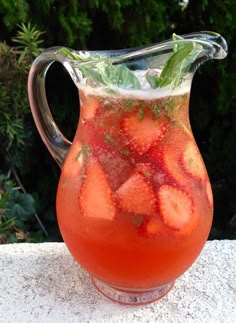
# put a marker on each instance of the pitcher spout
(214, 45)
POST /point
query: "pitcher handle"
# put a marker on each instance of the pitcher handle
(57, 144)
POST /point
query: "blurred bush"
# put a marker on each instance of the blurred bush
(103, 24)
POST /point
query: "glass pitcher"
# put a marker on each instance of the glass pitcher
(134, 201)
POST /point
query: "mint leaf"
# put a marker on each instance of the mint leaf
(101, 70)
(177, 45)
(141, 113)
(68, 53)
(178, 65)
(153, 80)
(108, 138)
(117, 75)
(90, 71)
(82, 56)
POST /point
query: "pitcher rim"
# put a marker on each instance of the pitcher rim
(214, 45)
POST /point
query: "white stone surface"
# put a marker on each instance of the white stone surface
(43, 283)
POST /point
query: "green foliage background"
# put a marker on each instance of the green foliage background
(106, 24)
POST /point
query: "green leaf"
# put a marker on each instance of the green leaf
(117, 75)
(156, 109)
(21, 206)
(101, 70)
(153, 80)
(177, 45)
(178, 65)
(108, 138)
(68, 53)
(90, 71)
(141, 113)
(6, 224)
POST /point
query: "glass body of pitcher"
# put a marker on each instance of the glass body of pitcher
(134, 201)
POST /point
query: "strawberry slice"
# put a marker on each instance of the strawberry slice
(193, 162)
(136, 195)
(176, 206)
(95, 197)
(74, 161)
(168, 156)
(88, 106)
(141, 132)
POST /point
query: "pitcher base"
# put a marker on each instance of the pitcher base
(133, 298)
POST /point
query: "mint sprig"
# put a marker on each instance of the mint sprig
(102, 70)
(177, 66)
(117, 75)
(153, 79)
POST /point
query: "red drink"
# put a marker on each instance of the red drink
(134, 201)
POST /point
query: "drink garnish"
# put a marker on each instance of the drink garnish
(178, 64)
(101, 70)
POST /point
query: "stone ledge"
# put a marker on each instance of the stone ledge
(43, 283)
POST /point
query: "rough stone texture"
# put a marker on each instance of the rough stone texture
(43, 283)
